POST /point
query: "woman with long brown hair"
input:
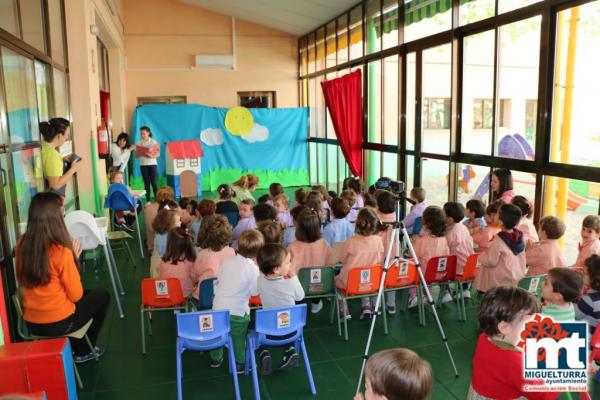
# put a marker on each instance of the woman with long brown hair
(244, 187)
(54, 302)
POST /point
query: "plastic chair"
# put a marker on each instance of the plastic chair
(207, 293)
(319, 283)
(595, 353)
(232, 216)
(255, 302)
(401, 276)
(119, 199)
(81, 333)
(159, 294)
(271, 325)
(468, 275)
(440, 271)
(92, 232)
(533, 284)
(362, 282)
(204, 331)
(121, 237)
(417, 225)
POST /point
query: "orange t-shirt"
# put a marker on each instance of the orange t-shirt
(54, 301)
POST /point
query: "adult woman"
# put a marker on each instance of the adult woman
(502, 185)
(244, 187)
(54, 133)
(54, 302)
(121, 151)
(148, 162)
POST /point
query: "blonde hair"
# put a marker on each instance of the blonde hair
(247, 181)
(165, 193)
(112, 174)
(250, 242)
(282, 198)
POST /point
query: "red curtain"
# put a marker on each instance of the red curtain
(343, 97)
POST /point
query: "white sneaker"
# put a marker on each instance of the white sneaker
(316, 307)
(413, 302)
(447, 298)
(466, 294)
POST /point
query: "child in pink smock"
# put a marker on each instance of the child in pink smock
(482, 237)
(590, 244)
(545, 255)
(178, 260)
(526, 224)
(459, 240)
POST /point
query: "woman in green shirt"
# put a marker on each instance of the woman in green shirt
(54, 133)
(244, 187)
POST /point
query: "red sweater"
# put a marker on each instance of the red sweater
(498, 372)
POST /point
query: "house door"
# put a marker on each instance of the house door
(188, 184)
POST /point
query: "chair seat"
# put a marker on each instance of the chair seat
(400, 283)
(78, 334)
(118, 235)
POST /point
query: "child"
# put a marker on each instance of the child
(498, 363)
(397, 374)
(278, 286)
(547, 254)
(150, 211)
(264, 213)
(588, 307)
(236, 282)
(289, 235)
(474, 211)
(356, 185)
(272, 232)
(214, 238)
(339, 229)
(561, 287)
(264, 199)
(326, 199)
(186, 210)
(314, 200)
(281, 202)
(590, 244)
(417, 194)
(310, 249)
(116, 177)
(364, 248)
(205, 208)
(526, 225)
(459, 240)
(350, 197)
(274, 190)
(482, 238)
(166, 219)
(300, 196)
(432, 244)
(246, 221)
(226, 206)
(504, 262)
(179, 258)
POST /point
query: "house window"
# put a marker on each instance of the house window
(436, 113)
(530, 117)
(483, 110)
(180, 163)
(193, 162)
(162, 100)
(256, 99)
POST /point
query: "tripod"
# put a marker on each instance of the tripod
(397, 228)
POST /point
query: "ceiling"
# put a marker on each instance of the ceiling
(296, 17)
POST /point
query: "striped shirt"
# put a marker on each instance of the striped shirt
(588, 308)
(564, 313)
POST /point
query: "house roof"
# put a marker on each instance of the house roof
(185, 149)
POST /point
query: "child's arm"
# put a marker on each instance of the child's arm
(297, 287)
(409, 220)
(328, 255)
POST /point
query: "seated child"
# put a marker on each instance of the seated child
(178, 260)
(547, 254)
(350, 197)
(396, 374)
(205, 208)
(474, 211)
(314, 200)
(226, 206)
(417, 194)
(289, 234)
(356, 185)
(587, 307)
(281, 202)
(326, 199)
(246, 221)
(214, 238)
(150, 211)
(166, 219)
(482, 237)
(504, 262)
(526, 224)
(186, 210)
(339, 229)
(498, 363)
(122, 217)
(332, 194)
(278, 286)
(236, 282)
(590, 242)
(264, 199)
(264, 213)
(561, 287)
(300, 196)
(275, 189)
(271, 231)
(459, 240)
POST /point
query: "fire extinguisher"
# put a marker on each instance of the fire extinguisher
(103, 145)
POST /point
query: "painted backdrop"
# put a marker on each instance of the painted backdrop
(269, 142)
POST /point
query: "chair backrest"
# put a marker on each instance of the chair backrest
(162, 292)
(82, 226)
(470, 267)
(403, 274)
(21, 326)
(280, 321)
(232, 216)
(255, 301)
(417, 225)
(441, 269)
(203, 325)
(363, 280)
(317, 280)
(207, 293)
(118, 198)
(533, 284)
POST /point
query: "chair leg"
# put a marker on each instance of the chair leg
(91, 346)
(143, 333)
(332, 310)
(311, 381)
(178, 355)
(116, 270)
(232, 366)
(77, 376)
(129, 253)
(252, 351)
(148, 315)
(139, 234)
(113, 282)
(345, 319)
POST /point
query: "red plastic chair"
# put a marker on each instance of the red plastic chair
(159, 294)
(595, 354)
(468, 275)
(255, 302)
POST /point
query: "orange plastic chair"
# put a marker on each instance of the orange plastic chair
(362, 282)
(440, 271)
(159, 294)
(401, 276)
(468, 275)
(255, 302)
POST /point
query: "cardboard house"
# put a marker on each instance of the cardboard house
(184, 167)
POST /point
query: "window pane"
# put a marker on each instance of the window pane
(410, 173)
(61, 95)
(330, 128)
(509, 5)
(19, 83)
(312, 63)
(478, 93)
(356, 33)
(303, 56)
(475, 10)
(373, 166)
(374, 105)
(27, 166)
(373, 26)
(524, 184)
(425, 18)
(55, 23)
(330, 49)
(390, 165)
(312, 104)
(437, 90)
(470, 179)
(320, 108)
(577, 140)
(390, 100)
(321, 49)
(342, 39)
(33, 26)
(411, 78)
(42, 84)
(434, 178)
(390, 23)
(322, 163)
(312, 151)
(9, 19)
(332, 162)
(517, 83)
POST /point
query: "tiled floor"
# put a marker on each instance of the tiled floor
(124, 373)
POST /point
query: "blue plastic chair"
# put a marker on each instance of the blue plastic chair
(273, 322)
(417, 225)
(207, 294)
(204, 331)
(119, 199)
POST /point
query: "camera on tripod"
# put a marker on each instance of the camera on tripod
(395, 187)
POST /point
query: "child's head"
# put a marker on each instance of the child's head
(145, 132)
(592, 272)
(349, 196)
(308, 226)
(249, 182)
(296, 212)
(281, 202)
(332, 194)
(165, 193)
(552, 227)
(397, 374)
(271, 231)
(250, 242)
(321, 189)
(116, 176)
(264, 212)
(562, 285)
(215, 232)
(386, 202)
(300, 195)
(246, 206)
(263, 199)
(184, 202)
(504, 310)
(168, 204)
(418, 194)
(192, 206)
(275, 188)
(367, 222)
(524, 205)
(340, 208)
(435, 220)
(492, 211)
(475, 208)
(314, 200)
(510, 216)
(180, 246)
(501, 182)
(590, 227)
(206, 207)
(455, 212)
(356, 185)
(225, 192)
(166, 219)
(274, 259)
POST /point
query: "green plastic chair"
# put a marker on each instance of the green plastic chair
(319, 283)
(120, 238)
(533, 284)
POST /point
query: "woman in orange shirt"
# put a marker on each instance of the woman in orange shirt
(54, 302)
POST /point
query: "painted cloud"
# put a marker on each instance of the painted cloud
(211, 136)
(259, 133)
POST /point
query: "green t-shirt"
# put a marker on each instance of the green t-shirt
(52, 162)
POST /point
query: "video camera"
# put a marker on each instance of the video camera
(396, 187)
